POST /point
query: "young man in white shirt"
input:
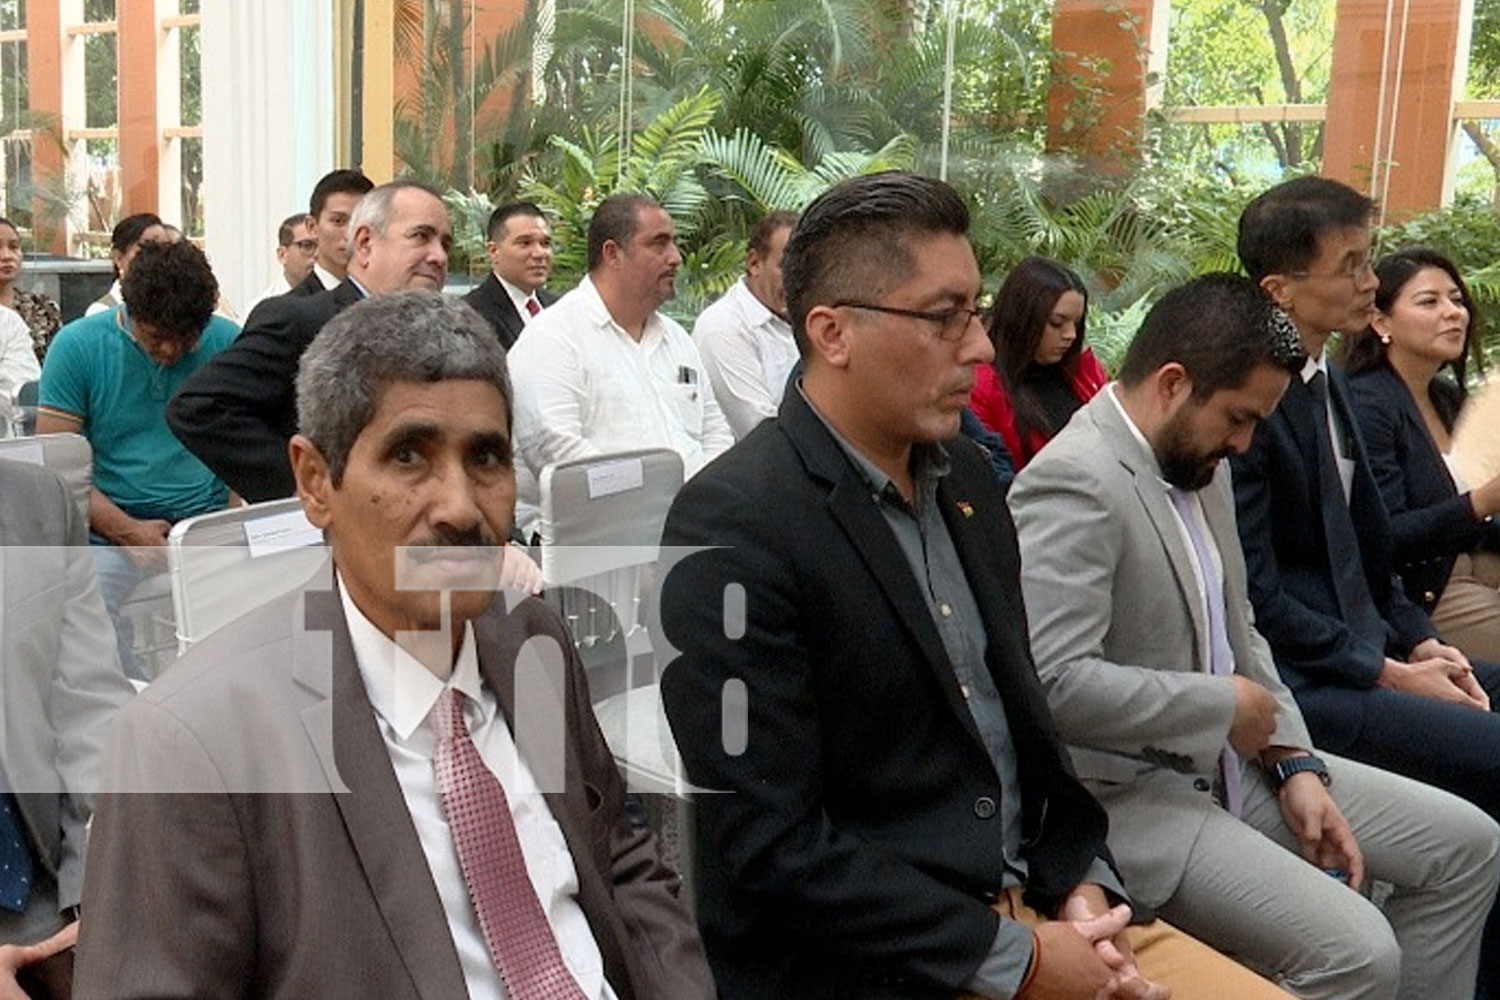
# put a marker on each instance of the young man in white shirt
(744, 337)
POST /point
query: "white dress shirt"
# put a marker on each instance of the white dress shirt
(404, 693)
(749, 352)
(327, 277)
(585, 387)
(519, 299)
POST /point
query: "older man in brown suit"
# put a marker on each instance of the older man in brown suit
(444, 818)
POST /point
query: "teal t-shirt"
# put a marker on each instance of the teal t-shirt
(96, 371)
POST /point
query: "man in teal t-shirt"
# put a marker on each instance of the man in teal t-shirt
(108, 377)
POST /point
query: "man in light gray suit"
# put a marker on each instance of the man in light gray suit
(1221, 816)
(60, 684)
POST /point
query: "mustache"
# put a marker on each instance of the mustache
(434, 545)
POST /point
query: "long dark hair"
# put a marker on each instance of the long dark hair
(1020, 315)
(1363, 350)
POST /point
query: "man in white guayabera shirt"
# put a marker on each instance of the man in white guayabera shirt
(602, 370)
(745, 338)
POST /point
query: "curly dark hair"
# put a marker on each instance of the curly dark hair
(171, 287)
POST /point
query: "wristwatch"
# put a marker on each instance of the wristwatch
(1288, 766)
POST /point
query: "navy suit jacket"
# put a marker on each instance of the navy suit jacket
(491, 301)
(858, 847)
(1431, 522)
(238, 412)
(1326, 662)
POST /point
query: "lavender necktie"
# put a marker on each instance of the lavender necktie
(516, 930)
(1221, 657)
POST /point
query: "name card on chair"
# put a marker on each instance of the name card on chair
(267, 536)
(608, 478)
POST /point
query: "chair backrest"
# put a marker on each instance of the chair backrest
(26, 403)
(601, 524)
(227, 562)
(68, 455)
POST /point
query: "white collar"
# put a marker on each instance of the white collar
(401, 690)
(1315, 365)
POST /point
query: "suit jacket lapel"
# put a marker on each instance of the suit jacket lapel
(373, 808)
(499, 648)
(859, 515)
(1152, 493)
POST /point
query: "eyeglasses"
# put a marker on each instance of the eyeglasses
(1351, 272)
(952, 323)
(306, 246)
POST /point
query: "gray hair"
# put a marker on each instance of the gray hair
(416, 336)
(373, 210)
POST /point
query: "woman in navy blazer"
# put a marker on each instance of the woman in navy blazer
(1445, 542)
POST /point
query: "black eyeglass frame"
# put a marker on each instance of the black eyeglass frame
(949, 326)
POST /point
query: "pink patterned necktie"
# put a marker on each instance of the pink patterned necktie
(516, 930)
(533, 306)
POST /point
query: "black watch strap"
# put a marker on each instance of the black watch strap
(1288, 766)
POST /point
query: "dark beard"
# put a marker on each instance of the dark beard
(1182, 467)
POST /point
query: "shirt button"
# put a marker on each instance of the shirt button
(984, 807)
(1428, 597)
(946, 610)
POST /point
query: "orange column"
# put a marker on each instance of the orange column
(44, 80)
(1104, 48)
(140, 132)
(1390, 100)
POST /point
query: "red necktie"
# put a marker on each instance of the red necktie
(533, 306)
(520, 939)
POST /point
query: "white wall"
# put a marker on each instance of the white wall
(268, 102)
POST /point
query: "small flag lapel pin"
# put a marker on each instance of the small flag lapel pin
(966, 508)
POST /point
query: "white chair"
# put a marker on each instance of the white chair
(68, 455)
(225, 563)
(601, 524)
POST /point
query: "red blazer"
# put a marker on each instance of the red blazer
(990, 401)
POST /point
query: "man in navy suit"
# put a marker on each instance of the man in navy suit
(1373, 678)
(520, 249)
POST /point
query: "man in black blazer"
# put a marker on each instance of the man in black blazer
(330, 210)
(1372, 676)
(520, 249)
(238, 412)
(889, 810)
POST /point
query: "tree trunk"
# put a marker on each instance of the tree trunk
(463, 107)
(1491, 151)
(1290, 146)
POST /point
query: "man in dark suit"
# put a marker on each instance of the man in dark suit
(1374, 680)
(60, 684)
(401, 788)
(237, 412)
(520, 249)
(330, 210)
(858, 694)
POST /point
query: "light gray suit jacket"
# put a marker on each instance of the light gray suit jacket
(60, 684)
(323, 889)
(1120, 638)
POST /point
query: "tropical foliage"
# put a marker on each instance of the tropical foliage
(727, 109)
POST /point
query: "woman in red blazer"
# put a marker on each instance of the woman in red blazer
(1042, 370)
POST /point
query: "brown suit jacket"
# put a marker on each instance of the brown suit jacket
(320, 891)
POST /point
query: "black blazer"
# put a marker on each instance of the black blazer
(237, 412)
(310, 285)
(1324, 660)
(1431, 522)
(490, 300)
(859, 847)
